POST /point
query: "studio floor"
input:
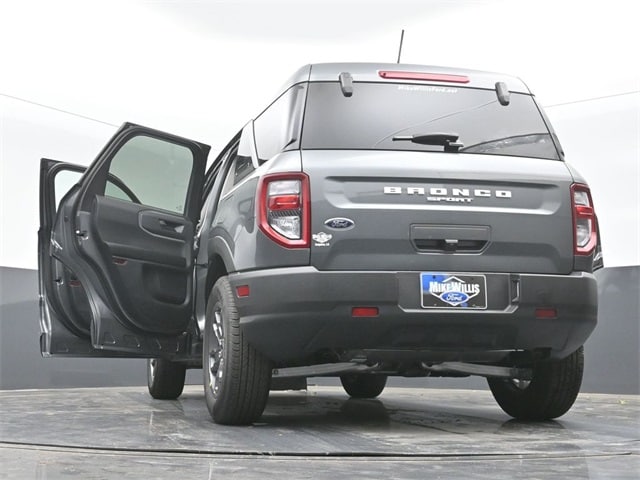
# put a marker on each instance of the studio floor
(407, 433)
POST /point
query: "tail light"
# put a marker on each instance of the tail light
(283, 209)
(585, 235)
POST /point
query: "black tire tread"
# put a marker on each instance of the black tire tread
(363, 385)
(168, 380)
(245, 389)
(552, 392)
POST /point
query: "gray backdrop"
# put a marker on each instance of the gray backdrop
(612, 352)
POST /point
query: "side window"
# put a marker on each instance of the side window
(278, 127)
(241, 163)
(63, 181)
(152, 172)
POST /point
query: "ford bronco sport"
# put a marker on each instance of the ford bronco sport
(374, 220)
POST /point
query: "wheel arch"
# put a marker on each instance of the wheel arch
(215, 269)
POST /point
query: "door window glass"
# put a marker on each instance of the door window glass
(152, 172)
(64, 180)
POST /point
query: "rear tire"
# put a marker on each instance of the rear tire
(363, 385)
(552, 391)
(165, 379)
(236, 376)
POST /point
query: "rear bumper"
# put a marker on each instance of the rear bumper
(293, 313)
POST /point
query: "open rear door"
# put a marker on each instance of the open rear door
(116, 251)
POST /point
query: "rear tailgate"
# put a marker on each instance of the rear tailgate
(426, 211)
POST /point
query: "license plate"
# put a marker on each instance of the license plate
(453, 290)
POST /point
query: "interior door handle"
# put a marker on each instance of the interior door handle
(163, 225)
(168, 225)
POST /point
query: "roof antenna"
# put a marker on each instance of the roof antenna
(400, 49)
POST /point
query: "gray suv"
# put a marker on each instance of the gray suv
(374, 220)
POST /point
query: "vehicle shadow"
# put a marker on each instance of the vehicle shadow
(299, 409)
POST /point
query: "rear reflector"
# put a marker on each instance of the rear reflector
(546, 313)
(426, 77)
(364, 312)
(284, 202)
(242, 291)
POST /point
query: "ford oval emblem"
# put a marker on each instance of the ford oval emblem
(339, 223)
(454, 298)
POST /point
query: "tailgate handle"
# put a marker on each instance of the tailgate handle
(450, 244)
(449, 239)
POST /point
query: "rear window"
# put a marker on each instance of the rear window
(378, 112)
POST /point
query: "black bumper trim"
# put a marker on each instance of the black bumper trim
(295, 312)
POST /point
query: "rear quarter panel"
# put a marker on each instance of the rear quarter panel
(234, 233)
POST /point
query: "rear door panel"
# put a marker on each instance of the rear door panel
(123, 240)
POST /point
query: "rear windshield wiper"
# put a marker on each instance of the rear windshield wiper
(506, 142)
(448, 140)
